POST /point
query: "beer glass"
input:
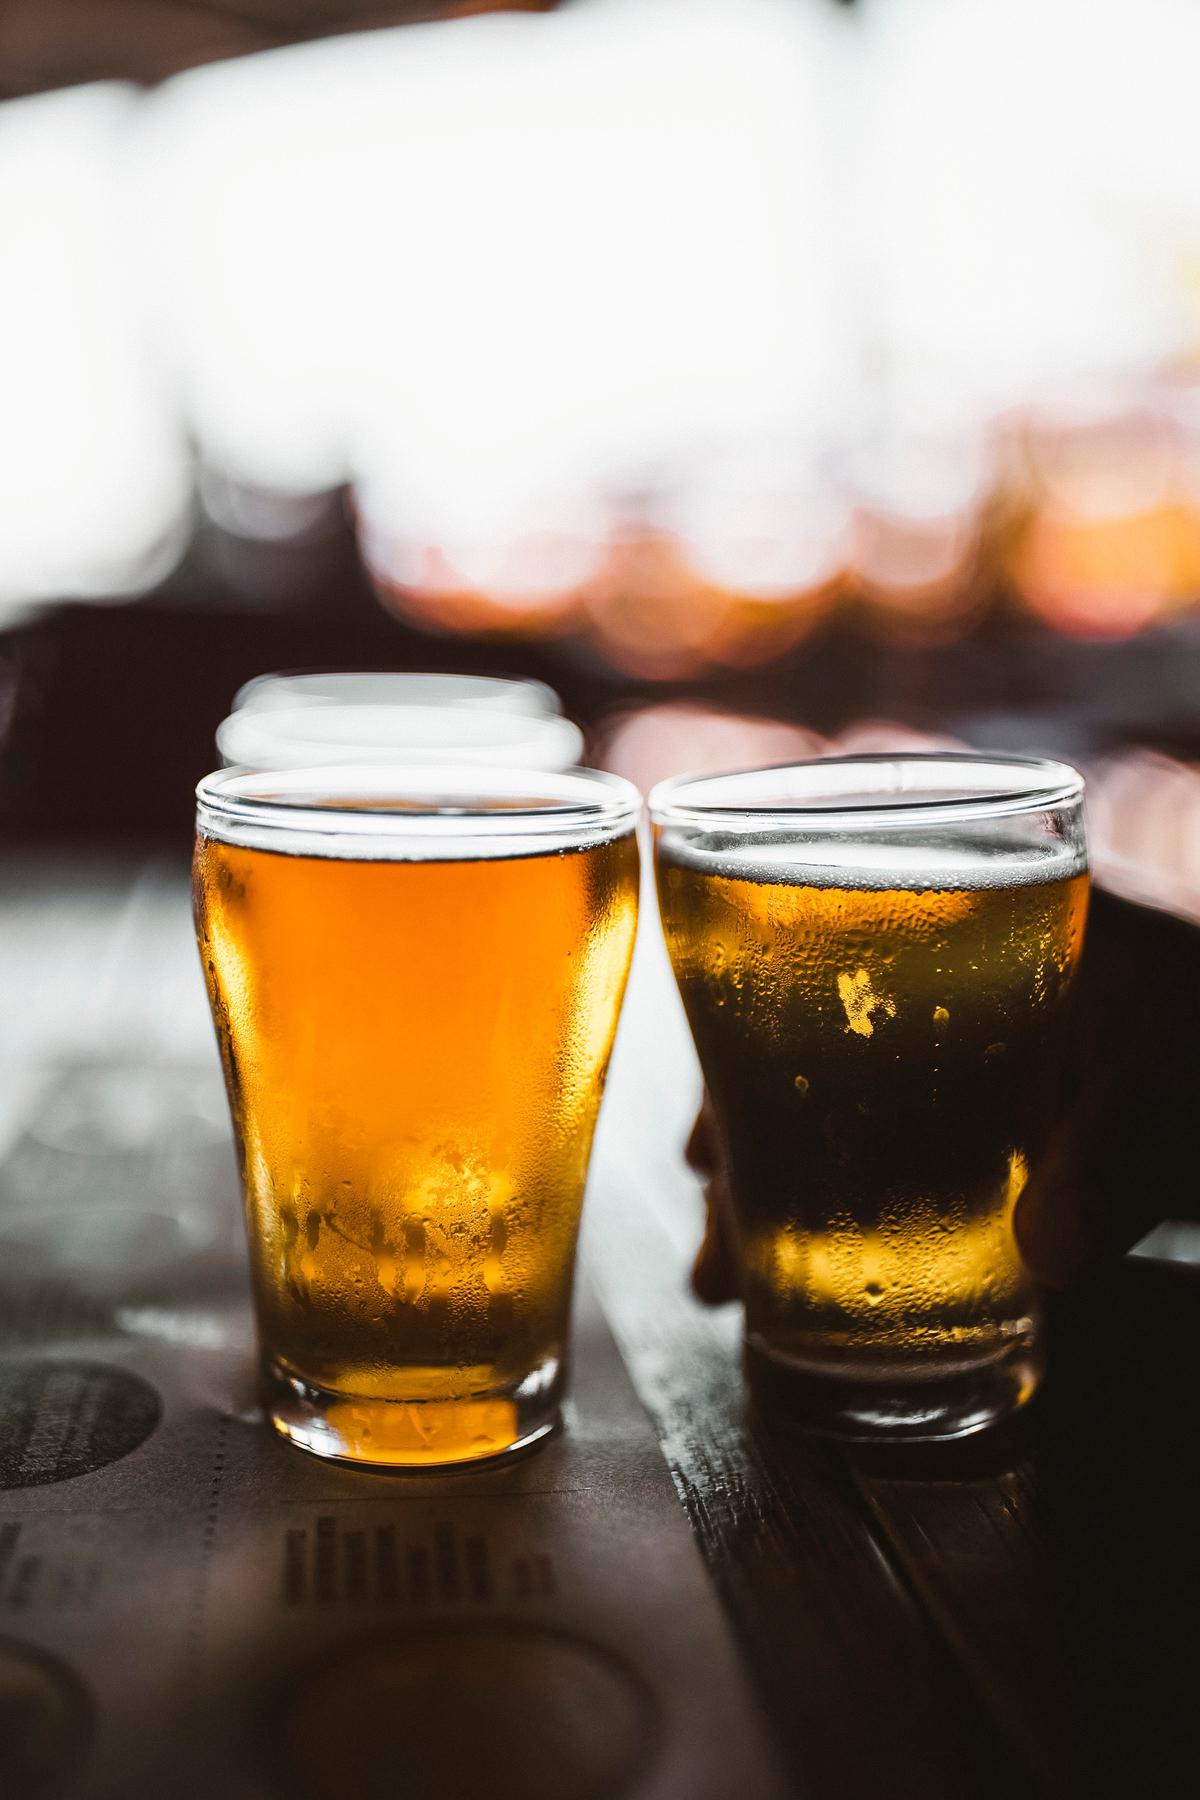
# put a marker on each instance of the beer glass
(875, 955)
(415, 977)
(312, 736)
(406, 687)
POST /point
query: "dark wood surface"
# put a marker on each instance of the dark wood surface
(1013, 1613)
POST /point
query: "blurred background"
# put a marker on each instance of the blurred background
(753, 371)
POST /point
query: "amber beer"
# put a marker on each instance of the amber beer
(416, 1028)
(879, 1027)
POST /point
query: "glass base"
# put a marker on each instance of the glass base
(907, 1402)
(421, 1435)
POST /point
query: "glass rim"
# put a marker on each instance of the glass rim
(491, 680)
(316, 733)
(1036, 783)
(462, 802)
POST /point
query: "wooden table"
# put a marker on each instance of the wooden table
(1007, 1614)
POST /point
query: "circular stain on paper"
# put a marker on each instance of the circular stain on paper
(513, 1712)
(45, 1722)
(62, 1419)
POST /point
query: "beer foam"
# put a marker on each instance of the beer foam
(822, 860)
(443, 848)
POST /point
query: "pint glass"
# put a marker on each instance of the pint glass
(415, 977)
(875, 955)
